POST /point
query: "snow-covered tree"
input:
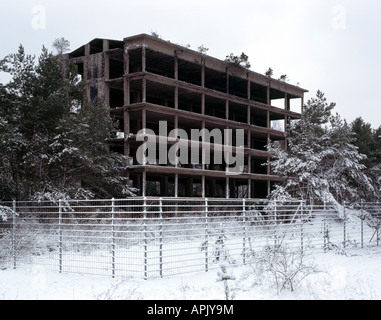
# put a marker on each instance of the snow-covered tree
(368, 141)
(320, 162)
(48, 149)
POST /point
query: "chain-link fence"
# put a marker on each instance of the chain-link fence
(156, 237)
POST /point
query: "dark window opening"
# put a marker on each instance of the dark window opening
(93, 93)
(238, 87)
(116, 98)
(135, 58)
(160, 64)
(259, 189)
(237, 112)
(116, 69)
(136, 91)
(215, 107)
(160, 94)
(189, 72)
(258, 93)
(258, 143)
(258, 166)
(96, 46)
(258, 117)
(189, 101)
(215, 80)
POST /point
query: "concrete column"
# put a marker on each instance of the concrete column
(126, 91)
(106, 45)
(203, 193)
(87, 49)
(227, 80)
(176, 67)
(143, 59)
(126, 133)
(107, 94)
(107, 66)
(144, 119)
(126, 62)
(227, 188)
(203, 72)
(176, 185)
(144, 90)
(176, 93)
(203, 151)
(248, 88)
(286, 102)
(203, 103)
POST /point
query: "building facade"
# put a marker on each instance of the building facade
(147, 81)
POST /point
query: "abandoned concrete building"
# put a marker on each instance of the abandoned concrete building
(144, 80)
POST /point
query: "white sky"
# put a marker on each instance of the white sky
(332, 46)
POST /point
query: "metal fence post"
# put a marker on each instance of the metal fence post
(344, 226)
(161, 236)
(113, 237)
(301, 227)
(244, 230)
(378, 206)
(145, 238)
(206, 236)
(325, 226)
(14, 234)
(362, 224)
(60, 235)
(275, 224)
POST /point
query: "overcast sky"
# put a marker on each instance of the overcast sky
(332, 46)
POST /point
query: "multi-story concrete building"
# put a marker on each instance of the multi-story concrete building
(145, 80)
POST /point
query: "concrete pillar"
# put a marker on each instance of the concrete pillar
(227, 80)
(143, 59)
(144, 119)
(203, 72)
(144, 90)
(176, 93)
(203, 103)
(176, 185)
(126, 62)
(227, 188)
(176, 67)
(126, 133)
(203, 187)
(126, 91)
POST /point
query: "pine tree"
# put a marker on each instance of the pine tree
(368, 141)
(52, 143)
(320, 163)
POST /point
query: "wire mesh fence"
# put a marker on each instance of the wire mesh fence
(157, 237)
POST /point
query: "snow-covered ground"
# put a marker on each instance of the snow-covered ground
(354, 275)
